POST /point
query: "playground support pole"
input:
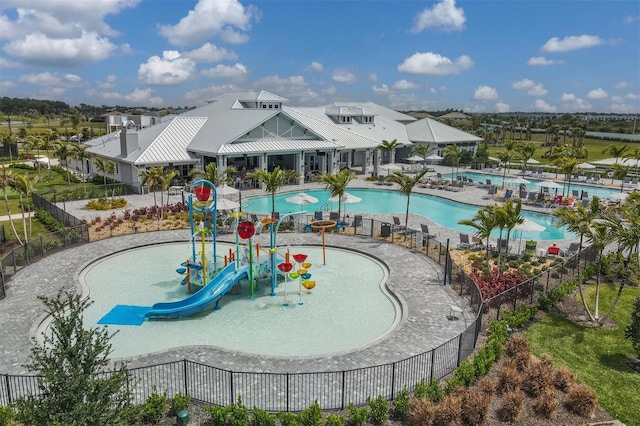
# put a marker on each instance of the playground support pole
(193, 231)
(273, 235)
(250, 270)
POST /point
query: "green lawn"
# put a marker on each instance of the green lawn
(597, 355)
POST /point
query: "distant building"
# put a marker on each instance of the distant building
(455, 116)
(258, 130)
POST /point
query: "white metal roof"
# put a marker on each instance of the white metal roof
(428, 130)
(171, 145)
(280, 145)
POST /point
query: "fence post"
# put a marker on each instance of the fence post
(393, 380)
(287, 392)
(231, 393)
(6, 382)
(459, 349)
(433, 362)
(186, 376)
(343, 389)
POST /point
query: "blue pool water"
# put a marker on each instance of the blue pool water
(442, 211)
(600, 192)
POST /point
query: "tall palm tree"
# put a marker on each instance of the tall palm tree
(212, 174)
(635, 155)
(526, 152)
(63, 152)
(406, 183)
(616, 151)
(567, 164)
(453, 154)
(47, 145)
(167, 177)
(389, 148)
(34, 143)
(6, 181)
(484, 222)
(152, 178)
(422, 150)
(508, 217)
(24, 184)
(273, 181)
(102, 166)
(337, 183)
(80, 153)
(505, 159)
(579, 221)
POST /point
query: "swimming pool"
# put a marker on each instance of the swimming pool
(442, 211)
(350, 307)
(496, 179)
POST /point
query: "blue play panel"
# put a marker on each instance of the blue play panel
(125, 315)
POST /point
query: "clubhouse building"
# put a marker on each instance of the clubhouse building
(252, 130)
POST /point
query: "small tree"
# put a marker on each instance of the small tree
(77, 385)
(633, 330)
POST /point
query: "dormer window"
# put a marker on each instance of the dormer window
(345, 119)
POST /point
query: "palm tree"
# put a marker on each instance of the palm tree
(578, 221)
(526, 152)
(453, 154)
(616, 151)
(422, 150)
(6, 181)
(406, 183)
(273, 181)
(34, 143)
(568, 165)
(508, 217)
(211, 174)
(505, 159)
(152, 178)
(484, 222)
(24, 184)
(389, 148)
(635, 155)
(102, 166)
(80, 153)
(63, 152)
(48, 144)
(166, 177)
(337, 183)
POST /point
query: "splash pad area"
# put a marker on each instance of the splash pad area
(348, 309)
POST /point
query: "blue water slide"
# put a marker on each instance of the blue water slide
(207, 296)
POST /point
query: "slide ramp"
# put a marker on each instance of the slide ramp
(207, 296)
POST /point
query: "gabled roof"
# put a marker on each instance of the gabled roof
(429, 130)
(279, 145)
(171, 145)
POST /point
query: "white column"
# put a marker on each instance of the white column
(300, 167)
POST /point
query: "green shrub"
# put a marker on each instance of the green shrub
(378, 410)
(262, 418)
(334, 420)
(357, 416)
(6, 416)
(178, 403)
(465, 374)
(311, 416)
(632, 330)
(133, 413)
(106, 204)
(288, 419)
(238, 413)
(155, 406)
(432, 392)
(401, 404)
(218, 415)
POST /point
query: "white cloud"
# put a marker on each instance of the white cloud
(210, 53)
(532, 88)
(135, 98)
(619, 106)
(5, 63)
(630, 19)
(40, 49)
(201, 94)
(571, 43)
(632, 96)
(622, 85)
(109, 82)
(383, 88)
(315, 66)
(405, 85)
(210, 18)
(567, 97)
(126, 49)
(502, 107)
(443, 16)
(331, 90)
(171, 69)
(542, 61)
(286, 86)
(233, 37)
(485, 93)
(434, 64)
(597, 95)
(543, 106)
(7, 85)
(53, 79)
(373, 77)
(226, 71)
(344, 76)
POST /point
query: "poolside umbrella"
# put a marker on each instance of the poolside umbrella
(619, 196)
(226, 190)
(346, 199)
(391, 167)
(301, 198)
(517, 181)
(528, 226)
(586, 166)
(549, 184)
(434, 157)
(415, 158)
(225, 204)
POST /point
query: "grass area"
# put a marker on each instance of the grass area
(597, 355)
(37, 228)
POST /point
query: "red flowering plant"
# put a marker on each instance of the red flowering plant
(495, 282)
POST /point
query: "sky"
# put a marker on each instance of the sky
(480, 56)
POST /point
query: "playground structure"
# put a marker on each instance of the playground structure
(204, 280)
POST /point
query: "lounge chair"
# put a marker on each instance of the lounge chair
(575, 193)
(573, 249)
(425, 230)
(465, 242)
(507, 195)
(553, 251)
(357, 221)
(318, 215)
(490, 193)
(397, 225)
(584, 195)
(334, 216)
(530, 248)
